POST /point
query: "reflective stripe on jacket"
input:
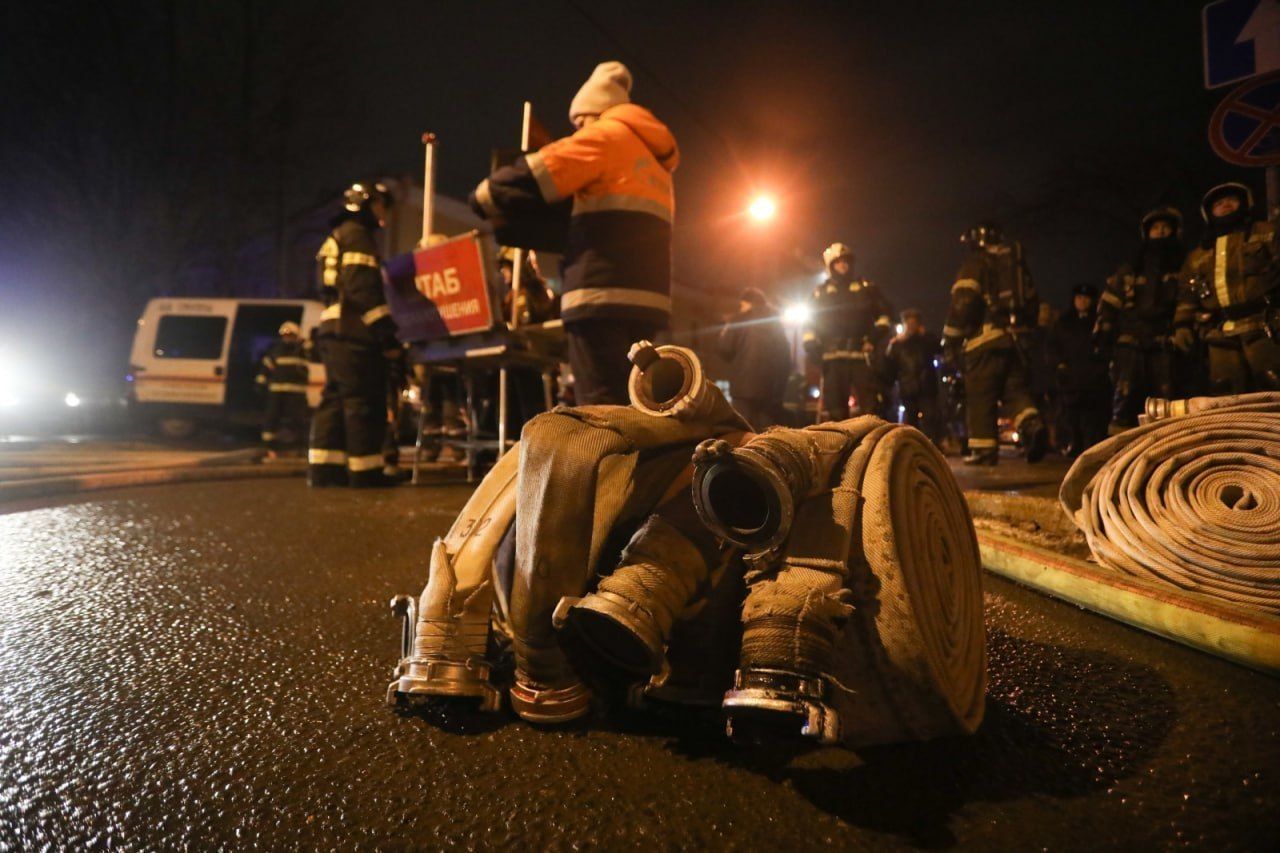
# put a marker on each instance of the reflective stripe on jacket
(285, 364)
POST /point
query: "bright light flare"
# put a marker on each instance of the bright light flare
(797, 314)
(72, 400)
(762, 208)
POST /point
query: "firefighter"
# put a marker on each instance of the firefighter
(617, 169)
(283, 374)
(1135, 318)
(912, 357)
(992, 295)
(356, 340)
(755, 349)
(1080, 374)
(1230, 289)
(849, 328)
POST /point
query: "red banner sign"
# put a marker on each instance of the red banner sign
(451, 275)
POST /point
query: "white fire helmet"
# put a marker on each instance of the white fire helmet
(835, 252)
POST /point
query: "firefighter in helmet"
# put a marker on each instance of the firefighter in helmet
(1230, 290)
(284, 375)
(993, 295)
(849, 329)
(1135, 318)
(357, 341)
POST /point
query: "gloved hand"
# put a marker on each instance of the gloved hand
(1183, 339)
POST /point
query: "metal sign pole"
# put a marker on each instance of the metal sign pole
(514, 322)
(428, 186)
(428, 218)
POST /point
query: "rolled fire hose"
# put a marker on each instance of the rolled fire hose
(870, 629)
(1189, 499)
(587, 476)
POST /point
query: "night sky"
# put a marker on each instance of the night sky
(142, 140)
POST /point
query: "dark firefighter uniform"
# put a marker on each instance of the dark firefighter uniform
(1135, 320)
(1229, 290)
(284, 375)
(617, 258)
(356, 338)
(849, 328)
(992, 294)
(1080, 374)
(911, 359)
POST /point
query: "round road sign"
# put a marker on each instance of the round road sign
(1245, 128)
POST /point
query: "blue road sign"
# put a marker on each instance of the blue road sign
(1241, 40)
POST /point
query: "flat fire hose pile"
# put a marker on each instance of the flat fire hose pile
(1190, 499)
(822, 582)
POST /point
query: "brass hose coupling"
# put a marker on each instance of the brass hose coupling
(536, 703)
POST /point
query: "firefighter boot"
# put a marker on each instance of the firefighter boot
(1034, 438)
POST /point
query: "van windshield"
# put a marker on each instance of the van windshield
(186, 336)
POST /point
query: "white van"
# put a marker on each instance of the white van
(195, 360)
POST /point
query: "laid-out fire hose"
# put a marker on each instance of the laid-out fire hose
(583, 480)
(1190, 499)
(867, 626)
(860, 620)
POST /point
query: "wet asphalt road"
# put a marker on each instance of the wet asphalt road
(204, 666)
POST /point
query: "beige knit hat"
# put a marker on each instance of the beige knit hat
(608, 86)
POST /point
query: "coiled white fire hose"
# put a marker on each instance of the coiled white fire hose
(1191, 498)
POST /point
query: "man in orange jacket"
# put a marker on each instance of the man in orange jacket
(617, 169)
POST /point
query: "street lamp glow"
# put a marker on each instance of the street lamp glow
(797, 314)
(762, 208)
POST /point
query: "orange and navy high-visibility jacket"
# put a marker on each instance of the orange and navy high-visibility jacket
(617, 170)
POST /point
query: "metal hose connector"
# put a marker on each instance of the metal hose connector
(625, 624)
(668, 382)
(1158, 408)
(748, 495)
(447, 659)
(1190, 500)
(451, 622)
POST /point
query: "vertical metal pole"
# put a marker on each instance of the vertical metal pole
(417, 445)
(514, 321)
(472, 428)
(502, 411)
(428, 186)
(1273, 193)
